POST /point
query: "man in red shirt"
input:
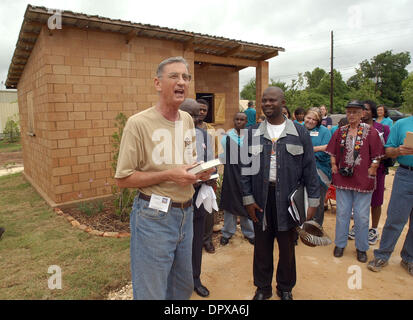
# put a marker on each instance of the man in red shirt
(355, 150)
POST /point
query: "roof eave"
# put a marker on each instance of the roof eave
(37, 17)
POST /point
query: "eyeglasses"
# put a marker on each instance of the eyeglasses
(176, 76)
(353, 112)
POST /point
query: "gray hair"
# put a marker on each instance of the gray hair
(170, 60)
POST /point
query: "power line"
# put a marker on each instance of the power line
(364, 26)
(344, 41)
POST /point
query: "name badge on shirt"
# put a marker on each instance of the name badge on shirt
(159, 203)
(314, 134)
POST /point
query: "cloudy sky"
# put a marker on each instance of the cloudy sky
(362, 29)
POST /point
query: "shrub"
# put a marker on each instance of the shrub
(86, 208)
(11, 131)
(123, 197)
(91, 208)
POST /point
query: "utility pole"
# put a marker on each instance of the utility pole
(331, 75)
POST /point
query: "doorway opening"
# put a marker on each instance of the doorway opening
(208, 97)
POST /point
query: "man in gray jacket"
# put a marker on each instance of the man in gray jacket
(280, 157)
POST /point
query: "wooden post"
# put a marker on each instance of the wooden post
(261, 83)
(332, 77)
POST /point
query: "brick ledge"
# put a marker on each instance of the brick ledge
(89, 230)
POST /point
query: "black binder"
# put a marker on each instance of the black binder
(298, 204)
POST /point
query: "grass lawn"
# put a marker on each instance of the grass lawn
(10, 147)
(37, 238)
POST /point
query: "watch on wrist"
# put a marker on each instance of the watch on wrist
(375, 161)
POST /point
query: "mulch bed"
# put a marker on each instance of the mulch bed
(108, 221)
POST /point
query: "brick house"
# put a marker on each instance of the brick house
(74, 79)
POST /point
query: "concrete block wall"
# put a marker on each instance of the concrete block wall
(81, 80)
(219, 79)
(36, 150)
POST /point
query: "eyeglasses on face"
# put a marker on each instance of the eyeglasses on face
(177, 76)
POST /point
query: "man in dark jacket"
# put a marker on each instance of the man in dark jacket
(231, 196)
(280, 157)
(204, 153)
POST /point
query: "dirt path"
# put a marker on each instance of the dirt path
(11, 157)
(228, 272)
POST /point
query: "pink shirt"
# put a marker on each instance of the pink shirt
(371, 148)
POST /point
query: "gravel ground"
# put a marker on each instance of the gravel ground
(124, 293)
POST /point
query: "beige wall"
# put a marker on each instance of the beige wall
(80, 81)
(37, 150)
(8, 110)
(217, 79)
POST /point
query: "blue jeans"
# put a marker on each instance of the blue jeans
(359, 202)
(398, 213)
(161, 252)
(230, 226)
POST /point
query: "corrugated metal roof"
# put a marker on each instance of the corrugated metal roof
(36, 17)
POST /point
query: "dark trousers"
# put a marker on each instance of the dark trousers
(209, 227)
(319, 215)
(263, 267)
(197, 242)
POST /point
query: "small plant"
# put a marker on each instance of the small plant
(90, 208)
(86, 208)
(117, 137)
(100, 206)
(123, 202)
(123, 197)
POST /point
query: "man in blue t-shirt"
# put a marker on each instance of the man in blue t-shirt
(251, 114)
(400, 207)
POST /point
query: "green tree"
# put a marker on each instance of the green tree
(341, 93)
(355, 81)
(340, 87)
(387, 71)
(366, 90)
(248, 92)
(407, 94)
(314, 77)
(293, 96)
(279, 84)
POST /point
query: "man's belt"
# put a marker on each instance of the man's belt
(406, 167)
(182, 205)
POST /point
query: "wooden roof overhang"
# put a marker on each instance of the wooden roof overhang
(207, 49)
